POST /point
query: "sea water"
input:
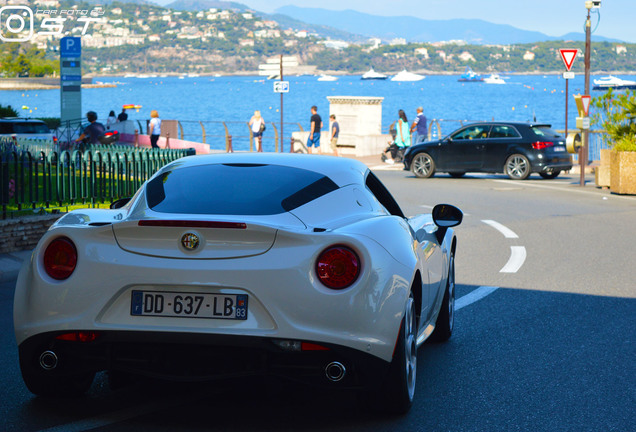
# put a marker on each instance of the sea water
(204, 102)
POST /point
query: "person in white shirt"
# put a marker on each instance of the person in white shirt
(257, 125)
(154, 128)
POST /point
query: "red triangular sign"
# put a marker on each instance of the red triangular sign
(585, 100)
(568, 56)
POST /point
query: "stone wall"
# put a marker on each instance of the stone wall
(24, 233)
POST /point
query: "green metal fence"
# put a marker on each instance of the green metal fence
(42, 179)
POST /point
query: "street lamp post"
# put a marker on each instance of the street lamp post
(588, 48)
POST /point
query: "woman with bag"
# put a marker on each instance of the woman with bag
(402, 139)
(257, 124)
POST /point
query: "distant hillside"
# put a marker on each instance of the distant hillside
(419, 30)
(197, 5)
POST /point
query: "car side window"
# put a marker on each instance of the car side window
(501, 131)
(471, 133)
(382, 194)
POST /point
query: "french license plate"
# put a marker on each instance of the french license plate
(559, 148)
(189, 305)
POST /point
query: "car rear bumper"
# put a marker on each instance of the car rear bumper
(196, 357)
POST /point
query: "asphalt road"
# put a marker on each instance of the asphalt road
(550, 347)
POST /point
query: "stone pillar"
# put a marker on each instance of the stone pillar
(360, 120)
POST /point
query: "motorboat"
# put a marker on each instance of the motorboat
(494, 79)
(613, 82)
(373, 75)
(407, 76)
(470, 76)
(327, 78)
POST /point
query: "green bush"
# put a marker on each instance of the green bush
(51, 122)
(7, 111)
(616, 113)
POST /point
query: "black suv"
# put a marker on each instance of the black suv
(516, 149)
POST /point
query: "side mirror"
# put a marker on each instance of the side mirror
(446, 215)
(119, 203)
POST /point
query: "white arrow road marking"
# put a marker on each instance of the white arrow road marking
(507, 232)
(474, 296)
(517, 258)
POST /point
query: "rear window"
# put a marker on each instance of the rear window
(238, 189)
(545, 132)
(30, 128)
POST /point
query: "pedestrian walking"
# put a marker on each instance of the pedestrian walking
(402, 139)
(122, 117)
(257, 125)
(111, 120)
(419, 127)
(314, 130)
(154, 128)
(335, 131)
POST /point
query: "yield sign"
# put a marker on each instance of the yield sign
(568, 56)
(585, 100)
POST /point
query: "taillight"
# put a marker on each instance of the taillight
(338, 267)
(60, 258)
(80, 336)
(542, 144)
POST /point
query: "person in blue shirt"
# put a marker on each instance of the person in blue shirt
(419, 127)
(335, 131)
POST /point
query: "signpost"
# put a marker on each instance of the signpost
(568, 56)
(281, 87)
(70, 79)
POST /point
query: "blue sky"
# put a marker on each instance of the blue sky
(552, 17)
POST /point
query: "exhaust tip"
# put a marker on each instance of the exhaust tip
(335, 371)
(48, 360)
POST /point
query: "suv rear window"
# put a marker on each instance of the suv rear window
(237, 189)
(22, 127)
(545, 132)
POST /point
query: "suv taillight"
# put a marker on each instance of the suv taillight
(542, 144)
(60, 258)
(338, 267)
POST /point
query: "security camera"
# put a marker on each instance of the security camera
(596, 4)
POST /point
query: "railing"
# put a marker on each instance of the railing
(220, 134)
(44, 179)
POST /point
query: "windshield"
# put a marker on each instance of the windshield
(237, 189)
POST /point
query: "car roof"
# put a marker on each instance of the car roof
(21, 120)
(511, 123)
(341, 170)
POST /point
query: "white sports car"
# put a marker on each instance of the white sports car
(241, 264)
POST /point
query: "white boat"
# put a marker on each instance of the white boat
(494, 79)
(613, 82)
(407, 76)
(327, 78)
(373, 75)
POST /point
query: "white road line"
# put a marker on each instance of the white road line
(517, 258)
(584, 190)
(474, 296)
(507, 232)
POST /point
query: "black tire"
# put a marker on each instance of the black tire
(550, 174)
(45, 383)
(457, 174)
(446, 318)
(423, 165)
(397, 393)
(517, 167)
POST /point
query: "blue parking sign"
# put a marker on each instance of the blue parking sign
(71, 47)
